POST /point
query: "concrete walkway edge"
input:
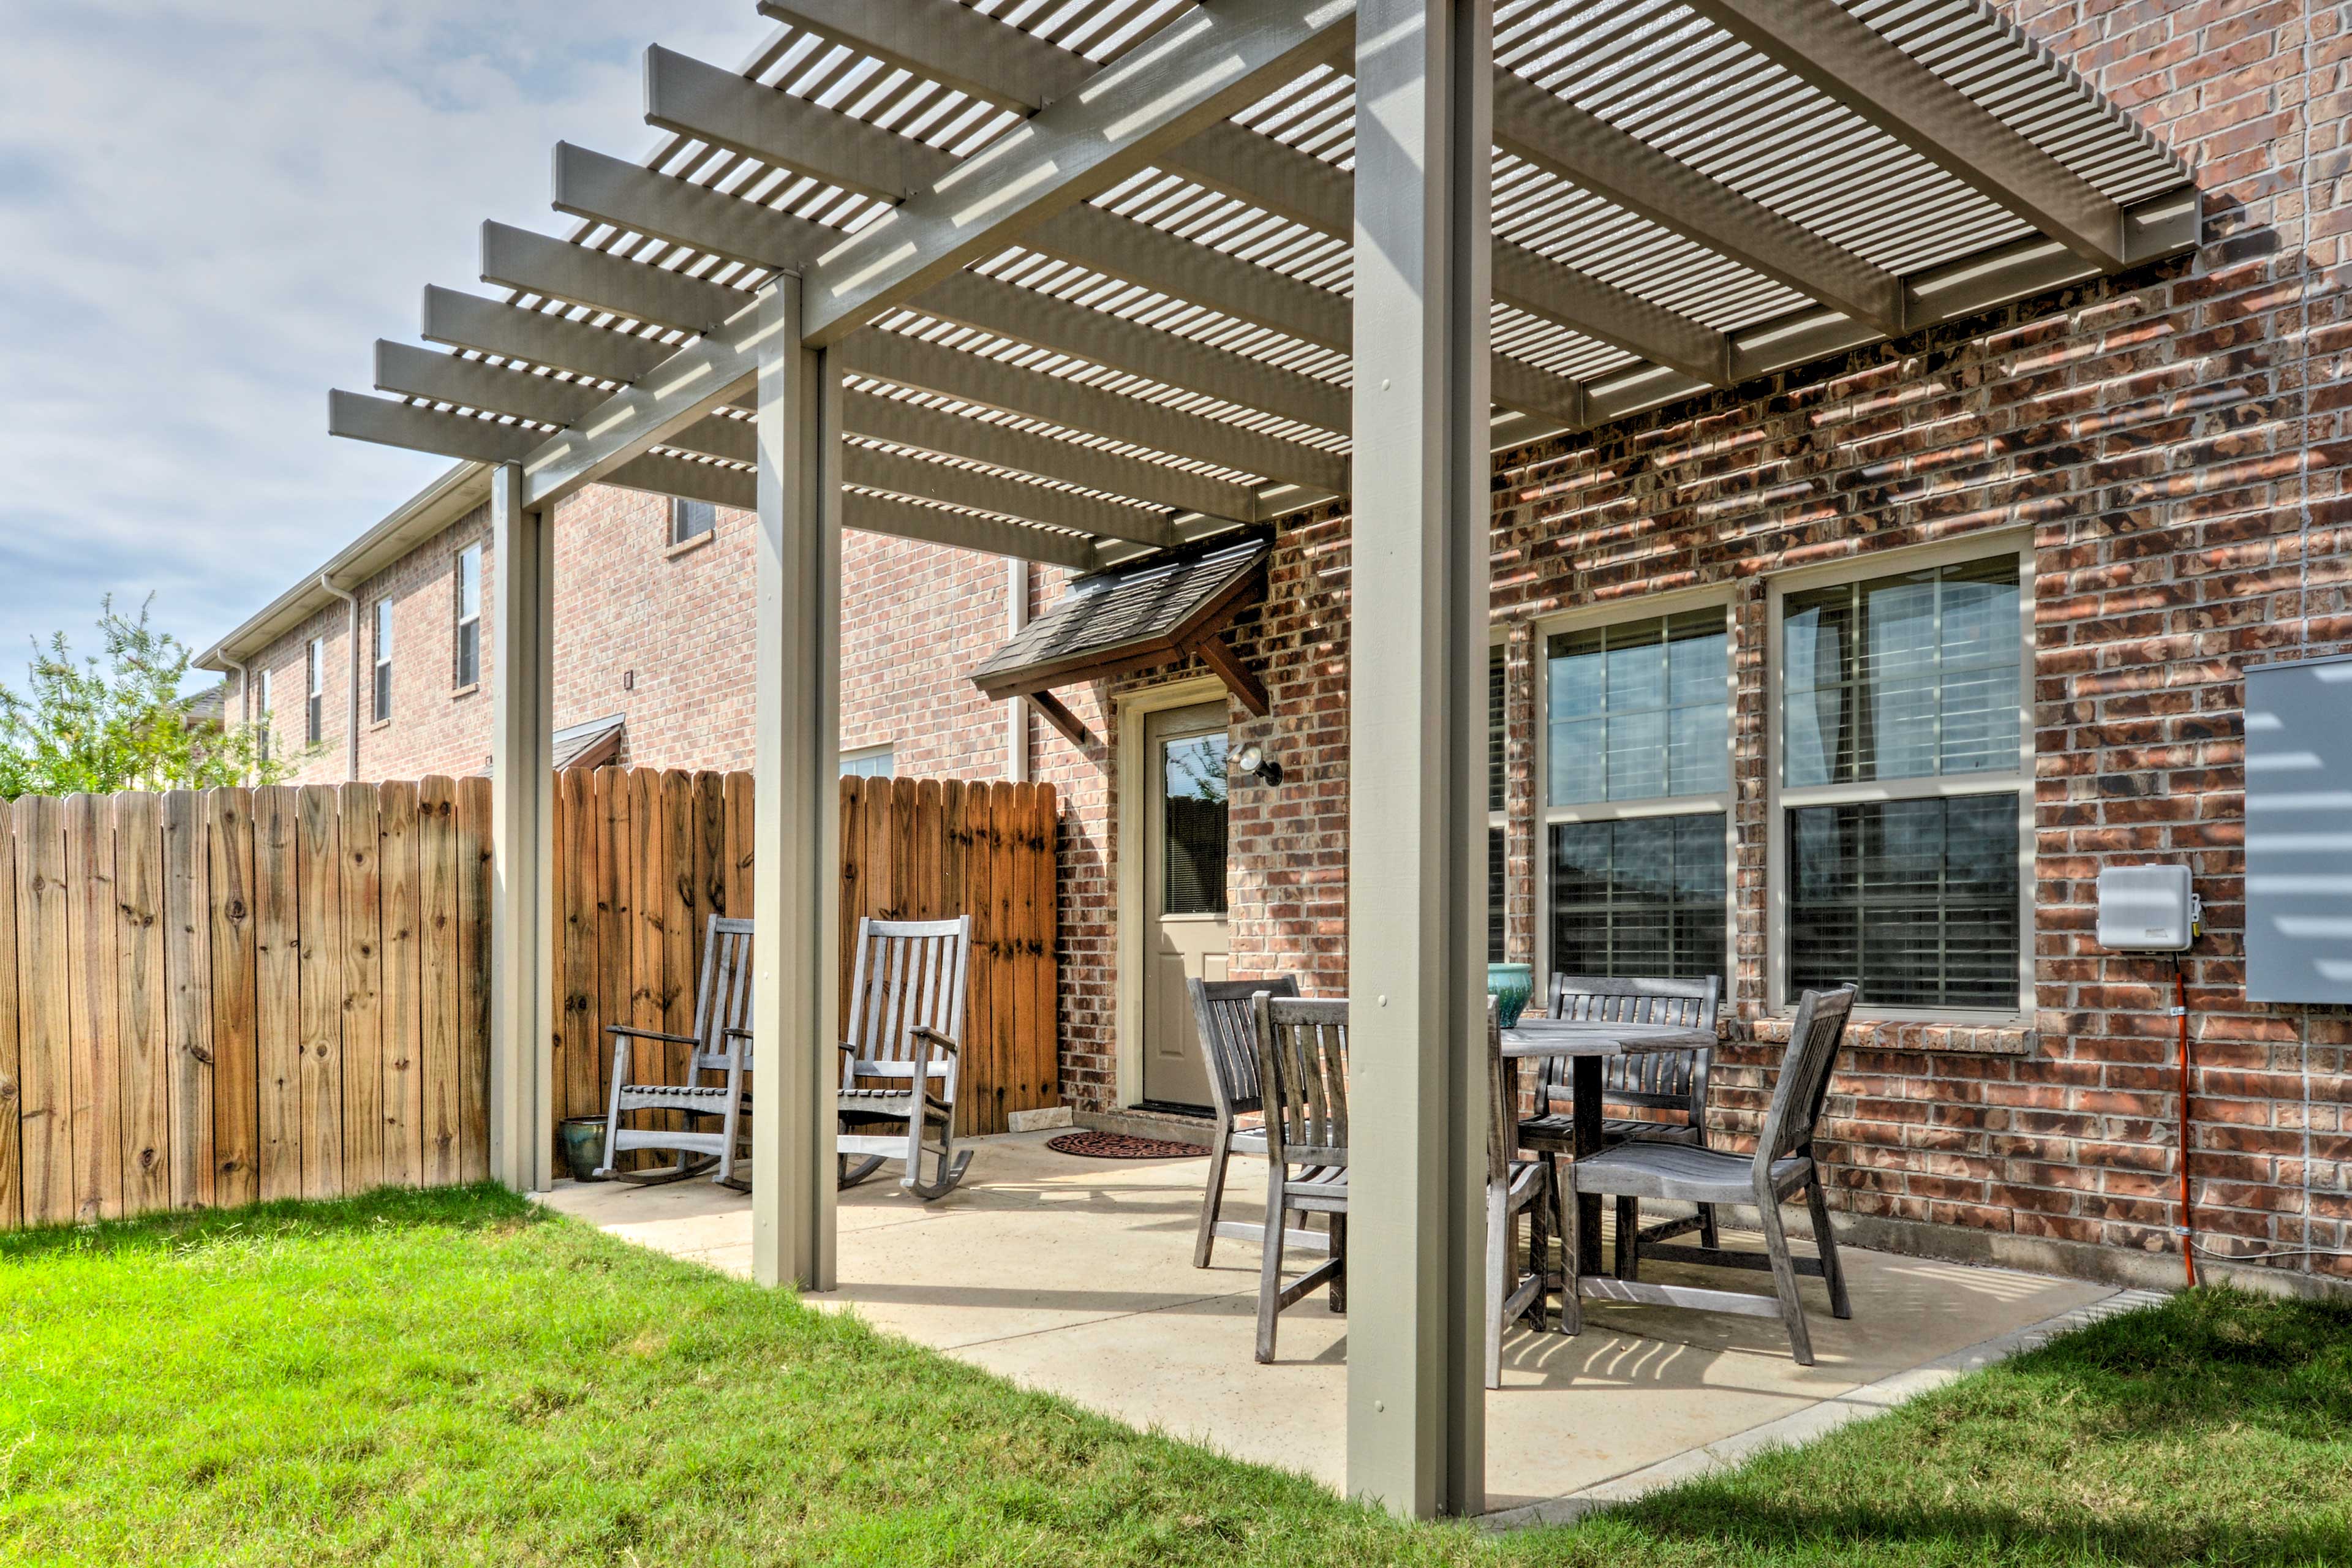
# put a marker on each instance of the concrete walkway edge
(1817, 1420)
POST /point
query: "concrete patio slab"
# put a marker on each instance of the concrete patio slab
(1076, 1277)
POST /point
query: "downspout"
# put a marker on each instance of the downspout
(244, 693)
(1016, 712)
(352, 725)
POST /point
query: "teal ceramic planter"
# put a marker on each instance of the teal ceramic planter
(1511, 985)
(583, 1145)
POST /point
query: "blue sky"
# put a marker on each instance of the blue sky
(208, 215)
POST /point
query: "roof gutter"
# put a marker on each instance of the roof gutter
(351, 725)
(436, 507)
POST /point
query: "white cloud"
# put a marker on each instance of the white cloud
(209, 214)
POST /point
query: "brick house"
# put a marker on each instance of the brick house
(1861, 669)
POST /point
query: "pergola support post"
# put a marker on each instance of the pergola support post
(796, 851)
(522, 839)
(1416, 863)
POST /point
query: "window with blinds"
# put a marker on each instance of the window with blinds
(1497, 794)
(1903, 786)
(1637, 736)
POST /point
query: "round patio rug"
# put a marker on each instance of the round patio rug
(1120, 1146)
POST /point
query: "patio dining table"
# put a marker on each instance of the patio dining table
(1586, 1046)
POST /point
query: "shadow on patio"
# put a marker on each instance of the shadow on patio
(1075, 1276)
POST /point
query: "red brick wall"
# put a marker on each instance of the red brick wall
(663, 637)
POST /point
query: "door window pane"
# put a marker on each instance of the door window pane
(1912, 676)
(1914, 900)
(1646, 895)
(1496, 729)
(1640, 711)
(1498, 884)
(1193, 825)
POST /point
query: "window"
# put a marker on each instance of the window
(1192, 880)
(1903, 786)
(261, 712)
(1637, 735)
(382, 659)
(690, 519)
(868, 762)
(1498, 864)
(469, 616)
(314, 706)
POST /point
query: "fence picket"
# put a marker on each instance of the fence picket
(95, 1106)
(439, 1117)
(188, 1001)
(45, 1040)
(236, 1068)
(402, 1020)
(362, 969)
(320, 894)
(144, 1061)
(277, 990)
(474, 978)
(11, 1092)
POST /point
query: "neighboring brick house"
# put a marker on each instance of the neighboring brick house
(2067, 525)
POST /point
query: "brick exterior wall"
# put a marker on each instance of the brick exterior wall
(662, 635)
(2173, 440)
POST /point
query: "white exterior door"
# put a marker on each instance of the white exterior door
(1184, 892)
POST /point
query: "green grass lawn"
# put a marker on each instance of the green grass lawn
(454, 1377)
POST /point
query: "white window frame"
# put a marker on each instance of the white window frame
(1650, 607)
(680, 508)
(263, 717)
(461, 620)
(867, 753)
(1779, 800)
(379, 669)
(314, 692)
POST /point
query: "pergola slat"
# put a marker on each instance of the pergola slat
(727, 109)
(1821, 42)
(1551, 133)
(905, 520)
(518, 259)
(1102, 241)
(1199, 69)
(1527, 281)
(1000, 446)
(976, 491)
(947, 43)
(912, 362)
(487, 326)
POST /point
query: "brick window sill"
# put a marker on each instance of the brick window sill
(688, 547)
(380, 724)
(1905, 1035)
(465, 691)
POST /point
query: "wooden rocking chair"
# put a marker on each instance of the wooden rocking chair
(906, 1027)
(721, 1044)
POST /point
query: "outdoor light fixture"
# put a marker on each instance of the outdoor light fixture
(1250, 761)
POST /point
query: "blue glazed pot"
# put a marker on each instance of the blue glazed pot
(1511, 985)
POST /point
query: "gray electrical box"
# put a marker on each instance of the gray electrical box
(2299, 831)
(2146, 908)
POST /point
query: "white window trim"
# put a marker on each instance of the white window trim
(314, 692)
(461, 620)
(379, 670)
(867, 753)
(1649, 607)
(1779, 801)
(677, 510)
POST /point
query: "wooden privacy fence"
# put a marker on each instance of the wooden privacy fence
(644, 857)
(211, 997)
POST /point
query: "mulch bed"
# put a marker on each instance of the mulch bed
(1120, 1146)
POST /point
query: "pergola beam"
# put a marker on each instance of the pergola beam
(1547, 130)
(538, 337)
(606, 190)
(728, 109)
(911, 362)
(1821, 42)
(1197, 70)
(473, 384)
(360, 417)
(1103, 241)
(968, 489)
(905, 520)
(558, 269)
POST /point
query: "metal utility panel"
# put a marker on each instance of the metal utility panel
(2299, 831)
(2146, 908)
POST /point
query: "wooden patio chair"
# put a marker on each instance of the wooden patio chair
(906, 1029)
(1674, 1082)
(721, 1043)
(1782, 1166)
(1227, 1026)
(1303, 1072)
(1513, 1187)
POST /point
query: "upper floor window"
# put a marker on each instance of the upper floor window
(1638, 796)
(1904, 788)
(868, 762)
(314, 702)
(690, 519)
(261, 712)
(469, 671)
(382, 659)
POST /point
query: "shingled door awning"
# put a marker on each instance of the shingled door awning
(1131, 618)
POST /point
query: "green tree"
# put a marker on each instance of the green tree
(120, 721)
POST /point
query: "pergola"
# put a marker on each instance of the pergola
(1076, 280)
